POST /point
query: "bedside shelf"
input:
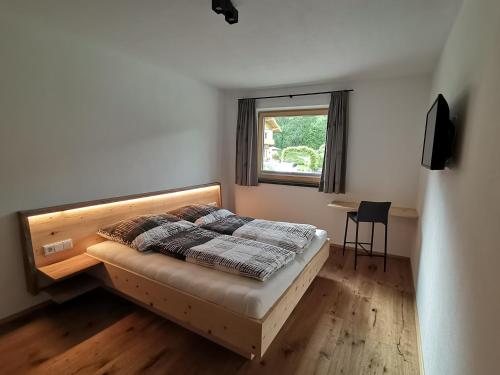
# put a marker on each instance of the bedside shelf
(68, 267)
(409, 213)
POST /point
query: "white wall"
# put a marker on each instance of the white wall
(78, 122)
(457, 257)
(386, 128)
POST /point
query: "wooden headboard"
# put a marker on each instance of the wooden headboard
(80, 222)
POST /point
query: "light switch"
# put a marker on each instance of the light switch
(67, 244)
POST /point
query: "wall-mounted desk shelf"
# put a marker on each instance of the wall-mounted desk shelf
(70, 266)
(409, 213)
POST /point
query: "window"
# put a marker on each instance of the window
(292, 146)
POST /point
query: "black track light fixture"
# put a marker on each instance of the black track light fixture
(226, 8)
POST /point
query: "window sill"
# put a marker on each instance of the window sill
(289, 183)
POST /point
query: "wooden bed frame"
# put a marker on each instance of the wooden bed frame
(80, 222)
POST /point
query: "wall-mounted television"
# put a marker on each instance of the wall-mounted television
(439, 135)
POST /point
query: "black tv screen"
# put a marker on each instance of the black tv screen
(439, 133)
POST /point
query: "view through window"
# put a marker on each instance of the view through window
(292, 145)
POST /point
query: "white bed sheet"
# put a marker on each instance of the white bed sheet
(243, 295)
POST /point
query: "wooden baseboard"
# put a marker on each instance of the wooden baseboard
(419, 340)
(350, 248)
(417, 328)
(21, 314)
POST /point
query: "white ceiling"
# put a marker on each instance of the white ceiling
(276, 42)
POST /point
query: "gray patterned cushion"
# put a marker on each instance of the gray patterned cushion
(125, 231)
(193, 212)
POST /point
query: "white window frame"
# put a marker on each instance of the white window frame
(301, 179)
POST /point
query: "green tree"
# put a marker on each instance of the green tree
(296, 131)
(303, 156)
(321, 155)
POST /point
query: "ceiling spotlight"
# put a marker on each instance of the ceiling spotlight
(227, 9)
(232, 17)
(218, 6)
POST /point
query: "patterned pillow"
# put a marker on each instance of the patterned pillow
(213, 217)
(125, 231)
(193, 212)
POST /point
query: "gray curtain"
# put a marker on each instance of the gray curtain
(246, 144)
(334, 164)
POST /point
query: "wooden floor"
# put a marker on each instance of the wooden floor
(347, 323)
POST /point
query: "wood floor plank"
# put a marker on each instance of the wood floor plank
(348, 322)
(43, 335)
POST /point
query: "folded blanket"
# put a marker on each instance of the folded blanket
(186, 241)
(290, 236)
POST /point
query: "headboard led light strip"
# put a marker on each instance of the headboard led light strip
(80, 222)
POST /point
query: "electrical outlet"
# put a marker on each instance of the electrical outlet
(55, 247)
(52, 248)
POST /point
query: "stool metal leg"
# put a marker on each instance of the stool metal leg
(345, 234)
(371, 242)
(385, 249)
(356, 247)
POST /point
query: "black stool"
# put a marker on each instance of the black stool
(368, 212)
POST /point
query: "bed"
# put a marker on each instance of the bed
(243, 315)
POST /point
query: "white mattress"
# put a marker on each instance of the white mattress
(246, 296)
